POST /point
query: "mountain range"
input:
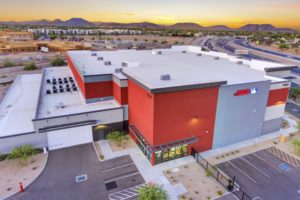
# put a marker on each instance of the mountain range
(79, 22)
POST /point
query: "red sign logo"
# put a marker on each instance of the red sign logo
(242, 92)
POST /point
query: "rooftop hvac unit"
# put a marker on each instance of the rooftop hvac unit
(199, 54)
(217, 58)
(184, 51)
(240, 62)
(118, 70)
(107, 63)
(159, 52)
(93, 54)
(100, 58)
(130, 64)
(165, 77)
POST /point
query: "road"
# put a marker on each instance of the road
(244, 43)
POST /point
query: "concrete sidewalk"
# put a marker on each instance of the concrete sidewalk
(153, 174)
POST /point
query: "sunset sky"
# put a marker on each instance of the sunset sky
(234, 13)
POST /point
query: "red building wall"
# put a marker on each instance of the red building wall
(167, 117)
(120, 94)
(91, 90)
(184, 114)
(278, 96)
(141, 110)
(76, 75)
(98, 89)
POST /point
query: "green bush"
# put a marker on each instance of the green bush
(3, 157)
(152, 192)
(284, 46)
(58, 62)
(22, 153)
(117, 136)
(219, 192)
(30, 66)
(208, 173)
(296, 144)
(7, 63)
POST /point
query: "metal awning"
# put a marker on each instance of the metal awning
(138, 134)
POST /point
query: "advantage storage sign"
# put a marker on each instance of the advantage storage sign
(244, 92)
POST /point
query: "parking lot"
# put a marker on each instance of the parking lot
(76, 173)
(266, 174)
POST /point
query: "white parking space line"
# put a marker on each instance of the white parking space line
(249, 163)
(260, 158)
(249, 177)
(121, 177)
(120, 195)
(120, 166)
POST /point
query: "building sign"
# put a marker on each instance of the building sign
(245, 92)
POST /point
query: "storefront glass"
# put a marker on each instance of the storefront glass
(170, 154)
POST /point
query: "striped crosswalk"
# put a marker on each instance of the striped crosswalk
(126, 194)
(284, 156)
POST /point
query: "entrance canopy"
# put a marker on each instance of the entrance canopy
(138, 134)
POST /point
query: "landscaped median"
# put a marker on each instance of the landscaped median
(24, 164)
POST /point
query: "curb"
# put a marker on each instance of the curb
(8, 196)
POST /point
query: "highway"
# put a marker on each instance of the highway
(244, 43)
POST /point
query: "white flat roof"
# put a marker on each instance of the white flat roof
(19, 104)
(73, 102)
(184, 68)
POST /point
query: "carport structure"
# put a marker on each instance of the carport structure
(264, 176)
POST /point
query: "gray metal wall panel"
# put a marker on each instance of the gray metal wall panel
(271, 126)
(240, 118)
(38, 140)
(97, 78)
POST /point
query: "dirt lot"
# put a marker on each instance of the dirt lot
(12, 173)
(198, 184)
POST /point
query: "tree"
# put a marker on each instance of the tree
(117, 137)
(152, 192)
(58, 62)
(30, 66)
(22, 153)
(294, 93)
(296, 144)
(7, 63)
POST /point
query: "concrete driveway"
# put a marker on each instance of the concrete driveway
(57, 181)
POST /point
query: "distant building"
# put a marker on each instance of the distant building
(33, 46)
(15, 36)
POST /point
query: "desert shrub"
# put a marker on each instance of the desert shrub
(58, 62)
(296, 144)
(117, 136)
(152, 192)
(22, 153)
(7, 63)
(30, 66)
(208, 173)
(219, 192)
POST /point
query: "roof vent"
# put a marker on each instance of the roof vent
(165, 77)
(184, 51)
(199, 54)
(100, 58)
(107, 63)
(60, 105)
(240, 62)
(154, 52)
(217, 58)
(118, 70)
(124, 64)
(94, 54)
